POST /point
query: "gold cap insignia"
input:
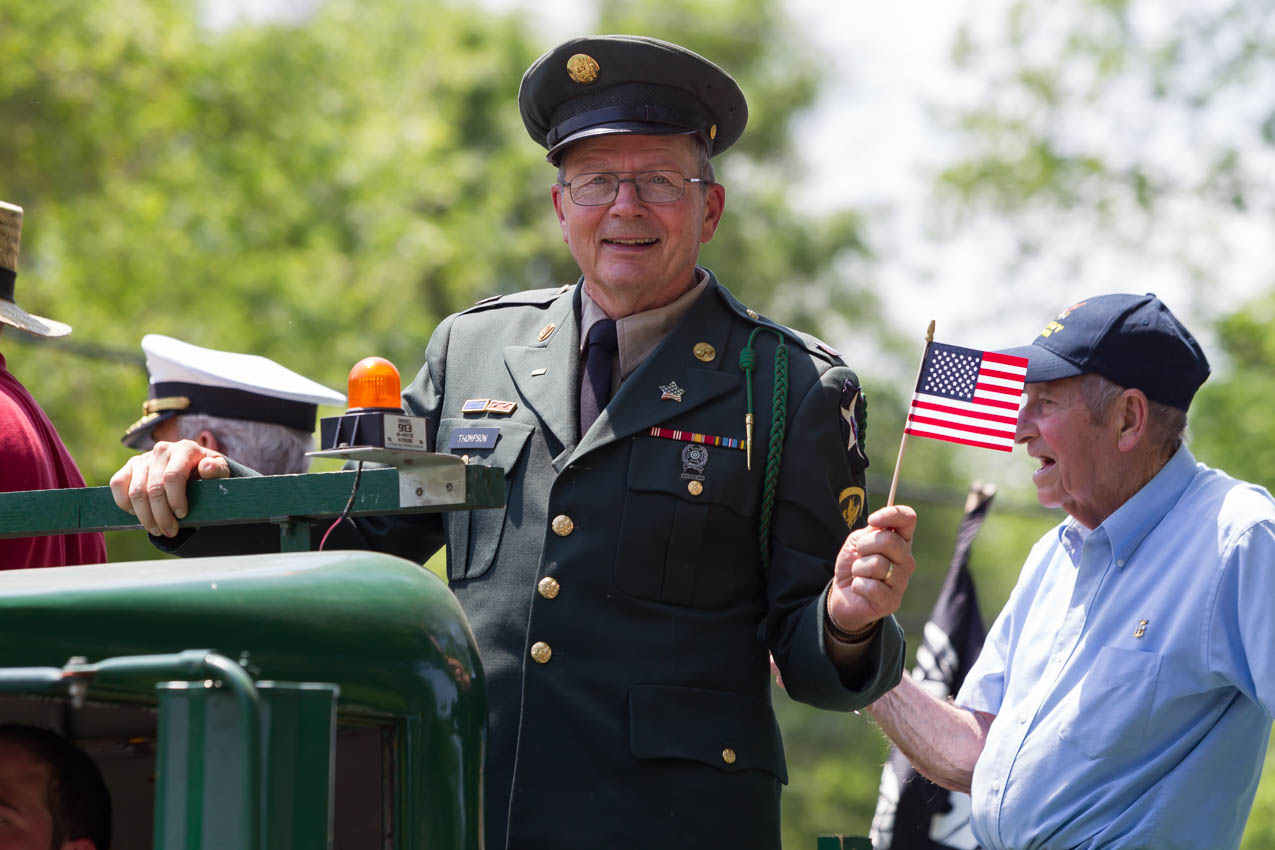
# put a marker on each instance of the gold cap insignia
(172, 402)
(142, 423)
(712, 132)
(583, 68)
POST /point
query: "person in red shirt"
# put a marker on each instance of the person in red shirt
(32, 455)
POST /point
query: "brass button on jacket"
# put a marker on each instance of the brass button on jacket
(728, 755)
(540, 652)
(548, 587)
(562, 525)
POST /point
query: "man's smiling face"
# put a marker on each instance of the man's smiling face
(636, 255)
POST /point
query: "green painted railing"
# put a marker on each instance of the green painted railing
(293, 502)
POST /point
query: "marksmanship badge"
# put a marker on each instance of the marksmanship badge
(694, 459)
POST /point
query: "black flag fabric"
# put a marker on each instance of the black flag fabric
(912, 812)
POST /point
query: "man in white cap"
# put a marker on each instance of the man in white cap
(32, 455)
(244, 406)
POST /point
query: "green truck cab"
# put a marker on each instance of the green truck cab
(292, 700)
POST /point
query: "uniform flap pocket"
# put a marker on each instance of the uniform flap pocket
(485, 441)
(695, 473)
(729, 731)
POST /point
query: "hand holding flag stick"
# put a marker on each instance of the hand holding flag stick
(966, 396)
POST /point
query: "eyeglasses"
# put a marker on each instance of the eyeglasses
(653, 187)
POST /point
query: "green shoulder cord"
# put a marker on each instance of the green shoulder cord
(778, 427)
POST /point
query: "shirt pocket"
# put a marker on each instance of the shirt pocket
(473, 537)
(727, 731)
(688, 533)
(1114, 703)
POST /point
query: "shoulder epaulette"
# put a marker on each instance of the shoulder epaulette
(807, 342)
(521, 299)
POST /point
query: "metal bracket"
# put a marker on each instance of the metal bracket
(424, 478)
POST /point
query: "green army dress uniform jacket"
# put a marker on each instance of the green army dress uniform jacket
(623, 616)
(630, 696)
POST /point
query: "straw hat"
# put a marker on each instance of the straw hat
(11, 313)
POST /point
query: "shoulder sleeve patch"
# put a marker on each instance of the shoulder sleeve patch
(853, 415)
(854, 423)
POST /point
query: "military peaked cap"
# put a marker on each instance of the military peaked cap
(609, 84)
(191, 379)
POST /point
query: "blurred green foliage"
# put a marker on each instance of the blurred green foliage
(320, 189)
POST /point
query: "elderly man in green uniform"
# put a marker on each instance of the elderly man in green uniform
(660, 535)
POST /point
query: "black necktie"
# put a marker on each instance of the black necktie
(595, 384)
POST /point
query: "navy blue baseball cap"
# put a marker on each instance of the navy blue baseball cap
(613, 84)
(1131, 340)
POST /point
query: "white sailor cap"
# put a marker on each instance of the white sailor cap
(187, 378)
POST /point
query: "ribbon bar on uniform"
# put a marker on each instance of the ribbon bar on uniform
(690, 437)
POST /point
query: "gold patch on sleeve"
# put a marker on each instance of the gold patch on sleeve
(851, 501)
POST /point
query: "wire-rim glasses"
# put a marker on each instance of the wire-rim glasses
(653, 187)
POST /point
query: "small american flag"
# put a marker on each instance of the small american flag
(968, 396)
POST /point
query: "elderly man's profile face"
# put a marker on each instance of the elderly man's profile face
(1077, 455)
(634, 254)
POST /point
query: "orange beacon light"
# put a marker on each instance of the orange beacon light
(374, 385)
(375, 417)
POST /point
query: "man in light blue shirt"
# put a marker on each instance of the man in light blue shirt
(1124, 695)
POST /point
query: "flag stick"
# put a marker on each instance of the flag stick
(898, 464)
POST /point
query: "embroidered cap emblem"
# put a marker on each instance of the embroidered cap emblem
(583, 68)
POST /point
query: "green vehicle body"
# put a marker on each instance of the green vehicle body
(292, 700)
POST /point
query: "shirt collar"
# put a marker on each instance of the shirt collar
(1134, 520)
(1072, 535)
(641, 333)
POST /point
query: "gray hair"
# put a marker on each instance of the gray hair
(268, 448)
(1166, 425)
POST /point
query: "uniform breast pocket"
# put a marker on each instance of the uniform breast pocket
(474, 536)
(688, 534)
(1114, 703)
